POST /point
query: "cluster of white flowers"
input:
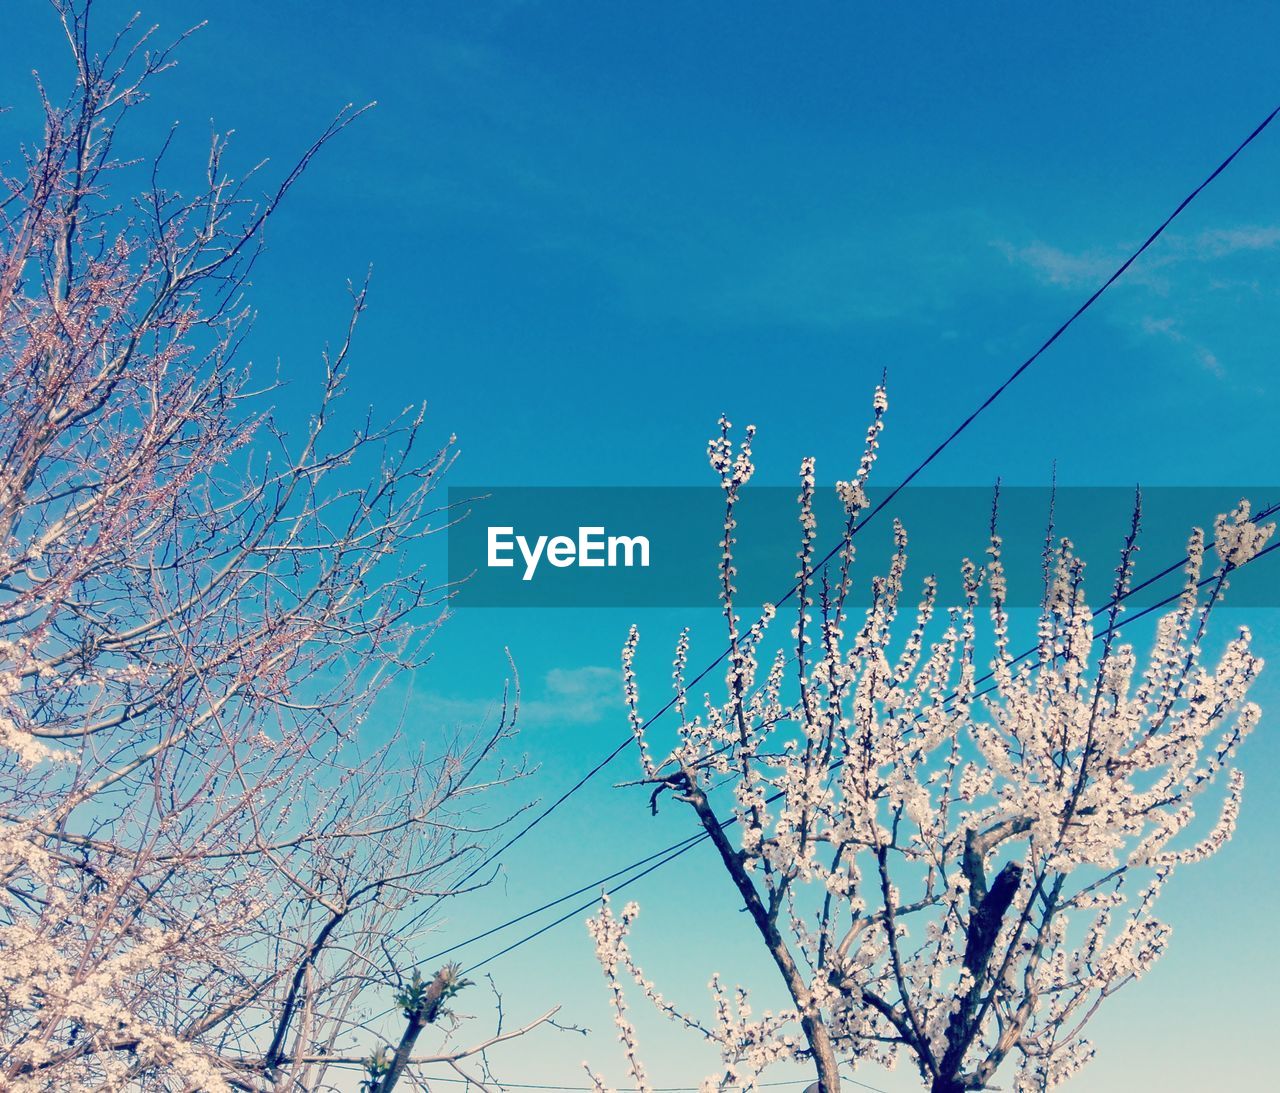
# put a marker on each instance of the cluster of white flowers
(748, 1044)
(83, 964)
(1237, 539)
(610, 934)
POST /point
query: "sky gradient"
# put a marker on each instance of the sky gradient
(595, 228)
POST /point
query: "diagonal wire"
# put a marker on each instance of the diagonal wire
(492, 856)
(670, 853)
(680, 846)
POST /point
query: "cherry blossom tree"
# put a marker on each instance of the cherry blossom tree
(943, 872)
(208, 847)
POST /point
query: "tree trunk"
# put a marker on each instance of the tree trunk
(824, 1055)
(815, 1029)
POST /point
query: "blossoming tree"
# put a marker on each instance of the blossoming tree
(205, 868)
(953, 874)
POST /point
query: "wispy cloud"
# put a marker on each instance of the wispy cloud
(1174, 277)
(1170, 329)
(1221, 242)
(1055, 266)
(1079, 269)
(564, 696)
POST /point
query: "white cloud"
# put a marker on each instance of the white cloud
(1175, 272)
(1171, 329)
(581, 695)
(1220, 242)
(1059, 267)
(565, 696)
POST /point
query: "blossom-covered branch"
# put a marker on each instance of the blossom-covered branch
(954, 877)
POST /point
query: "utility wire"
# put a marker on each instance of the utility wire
(491, 857)
(595, 885)
(656, 1089)
(591, 886)
(677, 849)
(1172, 567)
(844, 1078)
(670, 853)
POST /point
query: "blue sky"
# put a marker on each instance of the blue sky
(594, 228)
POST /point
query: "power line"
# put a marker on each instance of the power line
(588, 887)
(1173, 567)
(491, 857)
(495, 854)
(1262, 513)
(670, 853)
(593, 886)
(656, 1089)
(677, 849)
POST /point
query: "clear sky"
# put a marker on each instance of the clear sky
(594, 228)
